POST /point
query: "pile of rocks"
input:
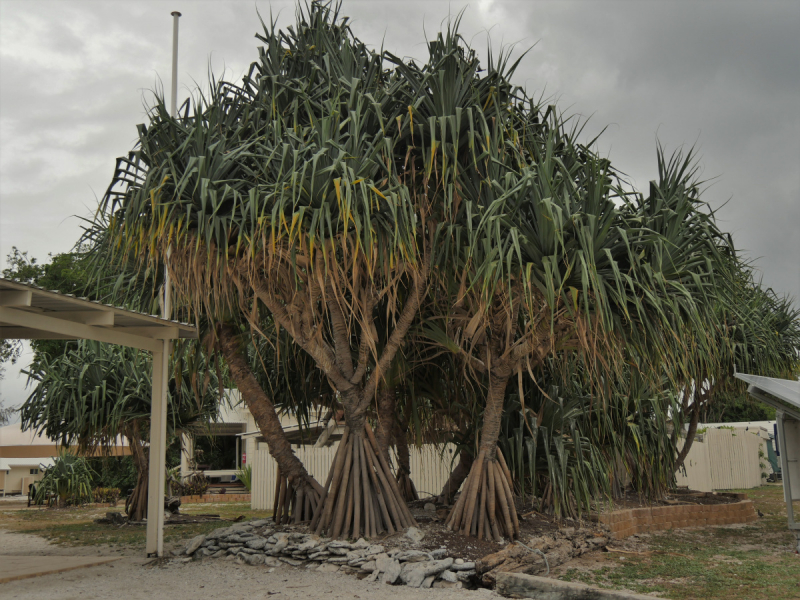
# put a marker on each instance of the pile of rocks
(258, 543)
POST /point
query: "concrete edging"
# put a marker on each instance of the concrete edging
(519, 585)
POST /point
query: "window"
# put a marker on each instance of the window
(34, 471)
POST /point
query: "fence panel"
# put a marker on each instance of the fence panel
(430, 468)
(725, 459)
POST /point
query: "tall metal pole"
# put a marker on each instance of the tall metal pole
(158, 407)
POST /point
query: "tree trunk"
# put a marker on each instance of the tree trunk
(300, 492)
(404, 481)
(486, 506)
(690, 434)
(386, 421)
(457, 477)
(136, 502)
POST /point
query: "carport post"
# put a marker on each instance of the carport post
(158, 453)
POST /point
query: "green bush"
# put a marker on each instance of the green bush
(67, 482)
(245, 475)
(109, 495)
(196, 485)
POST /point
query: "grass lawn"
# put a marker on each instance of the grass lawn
(733, 562)
(76, 527)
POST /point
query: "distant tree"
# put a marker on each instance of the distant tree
(65, 273)
(93, 392)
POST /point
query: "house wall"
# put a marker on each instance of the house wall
(430, 468)
(725, 459)
(16, 479)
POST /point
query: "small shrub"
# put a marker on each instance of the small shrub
(196, 485)
(106, 495)
(245, 475)
(67, 482)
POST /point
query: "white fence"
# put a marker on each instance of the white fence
(725, 459)
(430, 468)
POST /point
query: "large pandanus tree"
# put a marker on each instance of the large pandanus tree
(286, 197)
(549, 266)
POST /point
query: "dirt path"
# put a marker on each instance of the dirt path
(131, 578)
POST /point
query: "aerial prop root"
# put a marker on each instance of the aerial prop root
(361, 496)
(295, 502)
(486, 508)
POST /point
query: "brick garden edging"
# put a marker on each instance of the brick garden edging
(624, 523)
(205, 498)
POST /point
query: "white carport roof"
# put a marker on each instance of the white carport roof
(7, 463)
(28, 313)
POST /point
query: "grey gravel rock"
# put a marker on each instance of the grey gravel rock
(448, 576)
(368, 567)
(449, 584)
(458, 561)
(338, 550)
(260, 522)
(338, 560)
(290, 561)
(321, 554)
(391, 572)
(360, 543)
(412, 556)
(271, 561)
(279, 546)
(464, 566)
(415, 535)
(226, 545)
(338, 544)
(429, 507)
(328, 568)
(194, 544)
(255, 559)
(219, 554)
(373, 549)
(256, 543)
(465, 575)
(428, 581)
(439, 553)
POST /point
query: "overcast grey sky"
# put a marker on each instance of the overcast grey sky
(724, 76)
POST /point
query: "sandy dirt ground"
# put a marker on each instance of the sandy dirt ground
(132, 578)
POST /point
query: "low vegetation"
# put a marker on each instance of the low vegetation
(75, 526)
(731, 562)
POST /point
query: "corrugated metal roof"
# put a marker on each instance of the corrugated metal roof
(782, 394)
(30, 312)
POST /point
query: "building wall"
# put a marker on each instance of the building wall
(16, 479)
(725, 459)
(430, 468)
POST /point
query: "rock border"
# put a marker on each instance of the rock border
(625, 523)
(259, 543)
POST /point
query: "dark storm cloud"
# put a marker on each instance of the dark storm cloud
(724, 75)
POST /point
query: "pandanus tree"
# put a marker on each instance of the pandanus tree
(284, 196)
(93, 393)
(549, 266)
(755, 331)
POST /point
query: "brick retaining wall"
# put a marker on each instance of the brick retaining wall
(215, 498)
(624, 523)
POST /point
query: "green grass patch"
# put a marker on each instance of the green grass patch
(735, 562)
(76, 526)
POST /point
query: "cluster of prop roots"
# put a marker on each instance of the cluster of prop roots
(361, 496)
(486, 506)
(295, 503)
